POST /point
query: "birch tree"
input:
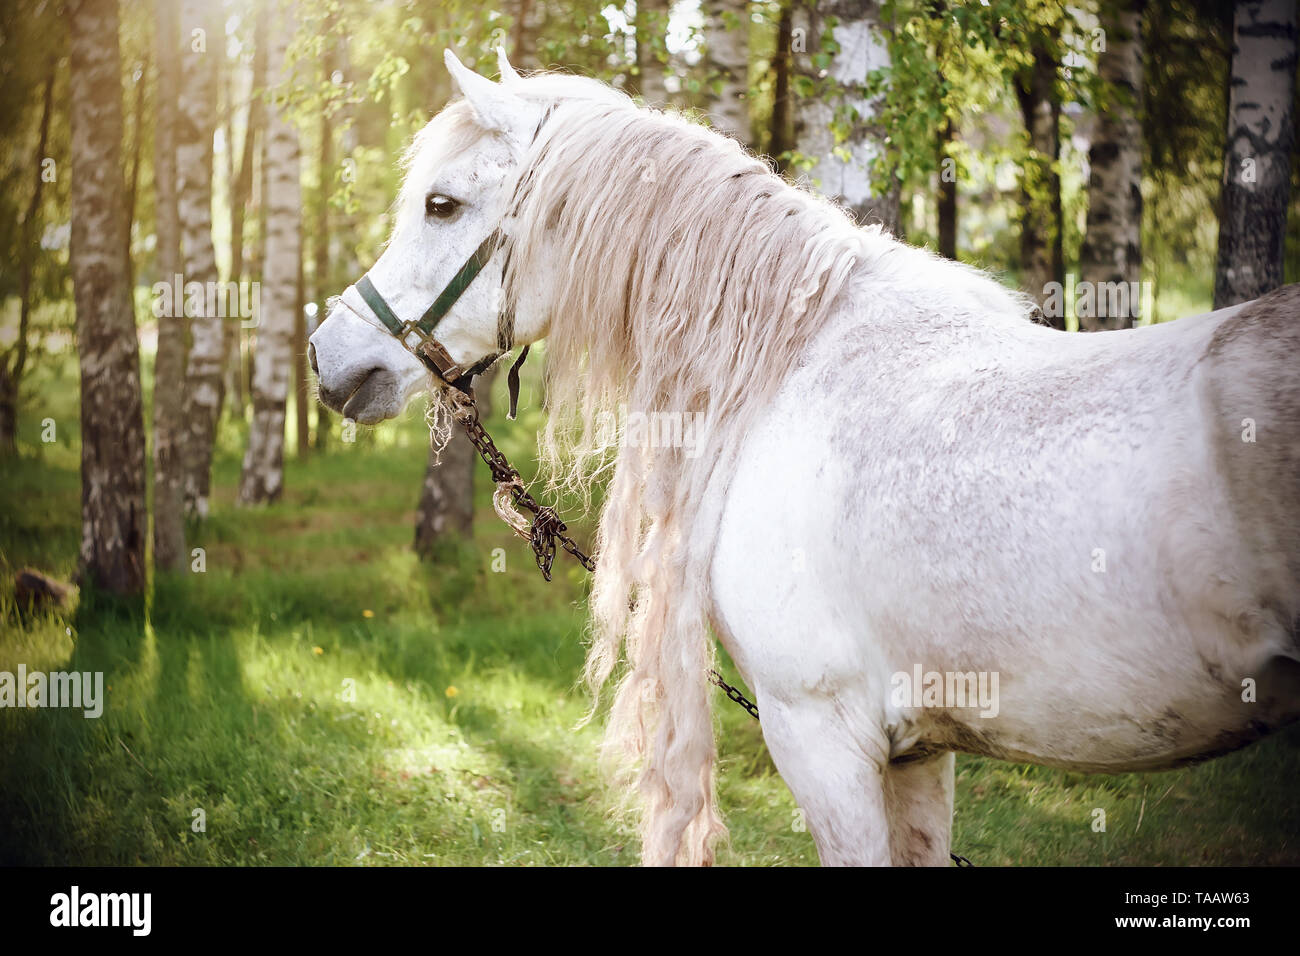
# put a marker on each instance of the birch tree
(833, 118)
(262, 477)
(201, 45)
(327, 174)
(13, 363)
(446, 508)
(1112, 243)
(240, 193)
(169, 363)
(946, 202)
(302, 394)
(726, 37)
(113, 518)
(1257, 165)
(779, 124)
(1041, 253)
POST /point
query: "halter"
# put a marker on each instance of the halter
(417, 336)
(432, 353)
(425, 347)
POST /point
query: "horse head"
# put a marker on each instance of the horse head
(432, 308)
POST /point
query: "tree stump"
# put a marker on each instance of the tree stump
(34, 591)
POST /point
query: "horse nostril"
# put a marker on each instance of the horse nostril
(311, 357)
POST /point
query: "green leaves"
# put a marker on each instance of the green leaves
(384, 77)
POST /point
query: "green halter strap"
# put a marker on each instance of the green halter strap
(427, 348)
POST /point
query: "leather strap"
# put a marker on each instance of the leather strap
(377, 304)
(459, 283)
(441, 305)
(512, 383)
(428, 349)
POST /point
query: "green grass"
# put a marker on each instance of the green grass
(440, 727)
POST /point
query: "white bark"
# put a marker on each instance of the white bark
(197, 121)
(262, 478)
(726, 34)
(845, 178)
(1257, 167)
(114, 523)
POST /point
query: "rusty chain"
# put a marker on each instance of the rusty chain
(733, 694)
(546, 527)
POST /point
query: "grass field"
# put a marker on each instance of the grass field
(319, 696)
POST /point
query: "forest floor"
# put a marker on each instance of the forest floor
(317, 695)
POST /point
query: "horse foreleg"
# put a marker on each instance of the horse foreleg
(918, 802)
(838, 784)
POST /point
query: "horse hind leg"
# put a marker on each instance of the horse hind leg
(1243, 577)
(1253, 409)
(918, 804)
(838, 784)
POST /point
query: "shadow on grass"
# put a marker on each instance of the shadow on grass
(251, 731)
(206, 726)
(75, 789)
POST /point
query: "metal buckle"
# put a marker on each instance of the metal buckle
(414, 326)
(429, 350)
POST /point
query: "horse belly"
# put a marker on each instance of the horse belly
(1147, 726)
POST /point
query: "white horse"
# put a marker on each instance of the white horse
(919, 522)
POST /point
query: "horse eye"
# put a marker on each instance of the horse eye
(441, 207)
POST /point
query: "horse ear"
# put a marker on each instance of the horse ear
(508, 73)
(492, 104)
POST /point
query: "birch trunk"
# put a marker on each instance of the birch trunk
(262, 478)
(231, 381)
(199, 52)
(859, 34)
(1257, 165)
(298, 349)
(322, 275)
(169, 365)
(1040, 225)
(726, 36)
(1112, 243)
(11, 375)
(240, 194)
(947, 201)
(779, 137)
(341, 251)
(446, 509)
(114, 522)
